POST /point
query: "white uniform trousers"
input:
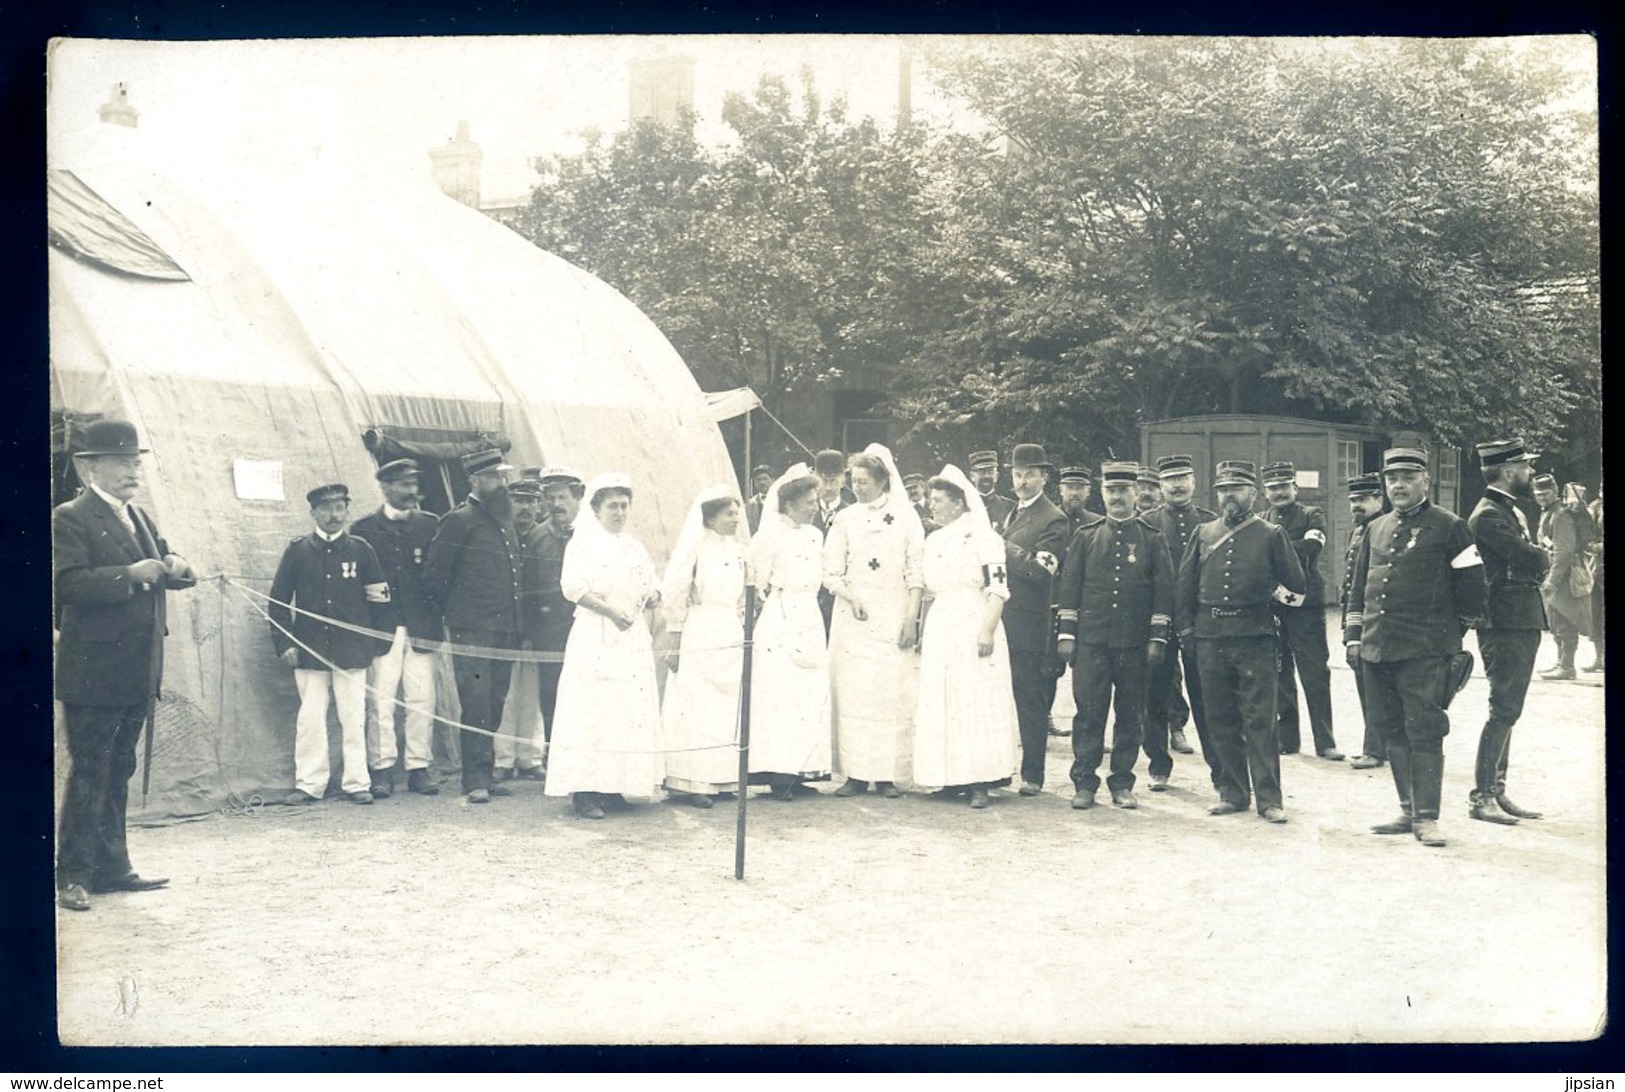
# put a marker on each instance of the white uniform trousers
(519, 742)
(310, 762)
(406, 672)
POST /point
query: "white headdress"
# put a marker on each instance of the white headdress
(973, 501)
(586, 522)
(896, 501)
(680, 569)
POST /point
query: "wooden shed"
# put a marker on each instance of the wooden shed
(1325, 455)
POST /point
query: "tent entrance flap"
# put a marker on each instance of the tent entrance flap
(438, 453)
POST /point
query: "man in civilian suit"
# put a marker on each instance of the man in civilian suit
(1035, 534)
(112, 570)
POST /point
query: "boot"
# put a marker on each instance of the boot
(1486, 809)
(1399, 761)
(1564, 668)
(1506, 805)
(1427, 785)
(1596, 659)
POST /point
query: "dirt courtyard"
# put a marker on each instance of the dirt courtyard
(425, 921)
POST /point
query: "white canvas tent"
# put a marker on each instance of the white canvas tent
(256, 329)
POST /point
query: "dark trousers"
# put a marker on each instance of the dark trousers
(1372, 745)
(1404, 702)
(1035, 694)
(547, 691)
(1509, 661)
(1163, 705)
(101, 752)
(482, 688)
(1096, 672)
(1304, 653)
(1238, 690)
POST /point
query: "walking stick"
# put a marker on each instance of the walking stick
(744, 732)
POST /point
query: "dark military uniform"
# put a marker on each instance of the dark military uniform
(1228, 581)
(1302, 634)
(998, 508)
(1418, 585)
(1166, 709)
(1510, 636)
(473, 579)
(1040, 527)
(546, 613)
(1116, 596)
(1372, 746)
(327, 578)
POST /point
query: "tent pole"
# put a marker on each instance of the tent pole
(744, 732)
(745, 477)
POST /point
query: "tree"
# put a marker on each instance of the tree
(1364, 231)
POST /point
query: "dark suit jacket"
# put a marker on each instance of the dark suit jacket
(1039, 528)
(111, 649)
(1513, 565)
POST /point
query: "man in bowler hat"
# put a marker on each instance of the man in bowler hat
(399, 532)
(1514, 617)
(1035, 533)
(112, 570)
(329, 576)
(829, 467)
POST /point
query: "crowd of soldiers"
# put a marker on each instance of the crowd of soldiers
(1158, 608)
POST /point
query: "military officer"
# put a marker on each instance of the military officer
(1077, 485)
(1234, 569)
(473, 579)
(112, 569)
(1147, 490)
(1365, 505)
(984, 474)
(1418, 586)
(516, 752)
(400, 533)
(329, 576)
(547, 615)
(1166, 709)
(1510, 636)
(1035, 546)
(1116, 600)
(1301, 642)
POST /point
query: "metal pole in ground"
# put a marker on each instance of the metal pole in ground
(744, 732)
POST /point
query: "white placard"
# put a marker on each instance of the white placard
(1308, 479)
(257, 479)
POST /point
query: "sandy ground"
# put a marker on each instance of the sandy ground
(422, 920)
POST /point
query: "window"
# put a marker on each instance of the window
(1348, 464)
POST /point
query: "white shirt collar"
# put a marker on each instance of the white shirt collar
(395, 514)
(325, 537)
(122, 507)
(1029, 502)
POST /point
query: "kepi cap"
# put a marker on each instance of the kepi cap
(1404, 458)
(397, 469)
(1146, 476)
(1495, 452)
(1235, 472)
(1076, 475)
(525, 487)
(1279, 472)
(478, 462)
(1545, 482)
(1172, 466)
(1119, 472)
(324, 493)
(980, 459)
(1365, 485)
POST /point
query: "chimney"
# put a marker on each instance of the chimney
(661, 89)
(117, 109)
(456, 166)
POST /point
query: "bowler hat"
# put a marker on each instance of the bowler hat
(109, 437)
(1172, 466)
(1029, 455)
(323, 493)
(1495, 452)
(1076, 475)
(1277, 473)
(478, 462)
(1235, 472)
(1365, 485)
(1119, 472)
(1404, 458)
(828, 463)
(397, 469)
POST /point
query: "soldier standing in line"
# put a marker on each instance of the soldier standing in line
(1365, 505)
(1147, 489)
(400, 533)
(1116, 598)
(1418, 587)
(1234, 569)
(1302, 644)
(1166, 709)
(517, 753)
(1568, 609)
(1513, 620)
(328, 574)
(472, 578)
(1035, 546)
(547, 615)
(984, 474)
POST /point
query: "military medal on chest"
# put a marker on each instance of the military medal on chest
(347, 569)
(1131, 553)
(417, 555)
